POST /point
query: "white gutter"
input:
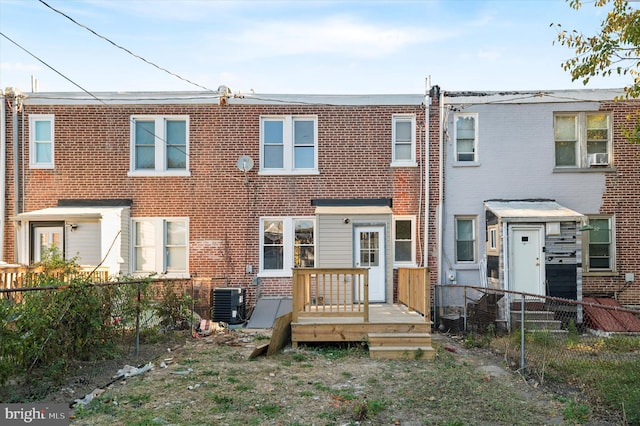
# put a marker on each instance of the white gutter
(3, 172)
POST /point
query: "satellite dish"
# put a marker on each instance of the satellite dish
(245, 163)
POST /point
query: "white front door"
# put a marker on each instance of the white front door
(526, 260)
(370, 253)
(46, 239)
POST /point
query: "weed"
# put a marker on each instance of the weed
(299, 357)
(368, 409)
(576, 412)
(269, 410)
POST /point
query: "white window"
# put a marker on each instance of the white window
(582, 140)
(404, 239)
(159, 145)
(404, 140)
(160, 246)
(41, 137)
(285, 243)
(466, 137)
(600, 248)
(288, 144)
(465, 239)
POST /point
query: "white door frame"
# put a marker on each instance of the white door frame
(51, 233)
(539, 260)
(378, 273)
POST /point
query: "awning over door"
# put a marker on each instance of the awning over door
(67, 213)
(353, 210)
(532, 211)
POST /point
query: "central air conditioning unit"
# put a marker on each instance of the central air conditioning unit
(228, 305)
(599, 159)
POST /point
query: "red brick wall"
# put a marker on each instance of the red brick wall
(92, 160)
(622, 199)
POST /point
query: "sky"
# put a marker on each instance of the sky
(291, 47)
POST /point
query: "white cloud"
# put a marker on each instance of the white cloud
(334, 35)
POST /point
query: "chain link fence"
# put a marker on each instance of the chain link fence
(536, 333)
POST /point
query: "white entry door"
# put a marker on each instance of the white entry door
(45, 239)
(370, 253)
(526, 262)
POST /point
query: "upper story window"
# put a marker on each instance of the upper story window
(404, 247)
(285, 243)
(582, 140)
(465, 239)
(160, 245)
(159, 145)
(41, 137)
(404, 140)
(601, 248)
(466, 137)
(288, 144)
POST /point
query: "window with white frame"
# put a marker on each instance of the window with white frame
(404, 231)
(285, 243)
(404, 140)
(41, 141)
(160, 245)
(288, 144)
(466, 137)
(465, 227)
(582, 140)
(159, 145)
(600, 248)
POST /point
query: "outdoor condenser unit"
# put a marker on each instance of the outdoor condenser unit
(228, 305)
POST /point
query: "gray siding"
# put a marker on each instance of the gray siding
(515, 161)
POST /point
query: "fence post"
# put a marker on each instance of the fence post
(138, 322)
(464, 308)
(522, 334)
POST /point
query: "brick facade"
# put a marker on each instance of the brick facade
(622, 200)
(92, 155)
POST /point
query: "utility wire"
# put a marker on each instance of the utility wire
(53, 69)
(125, 49)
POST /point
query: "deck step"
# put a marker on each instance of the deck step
(402, 352)
(395, 339)
(415, 345)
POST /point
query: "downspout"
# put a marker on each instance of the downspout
(3, 171)
(16, 106)
(425, 159)
(440, 181)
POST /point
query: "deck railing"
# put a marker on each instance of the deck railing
(330, 292)
(19, 276)
(414, 290)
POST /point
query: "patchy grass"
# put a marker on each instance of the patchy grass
(607, 370)
(323, 385)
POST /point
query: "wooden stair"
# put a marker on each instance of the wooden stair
(401, 346)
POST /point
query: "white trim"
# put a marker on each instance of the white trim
(410, 162)
(582, 141)
(474, 228)
(159, 246)
(33, 156)
(288, 241)
(414, 236)
(288, 145)
(160, 146)
(457, 117)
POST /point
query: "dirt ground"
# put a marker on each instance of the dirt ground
(211, 381)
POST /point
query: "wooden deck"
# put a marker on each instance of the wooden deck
(392, 331)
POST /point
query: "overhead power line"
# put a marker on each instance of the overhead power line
(53, 69)
(125, 49)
